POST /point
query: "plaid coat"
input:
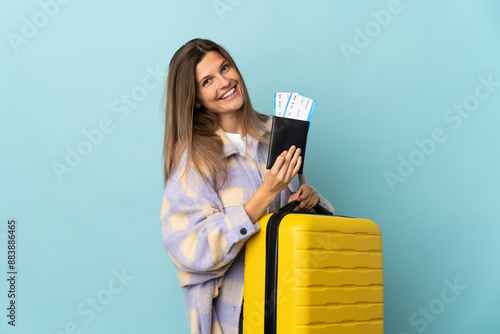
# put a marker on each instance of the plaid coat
(204, 233)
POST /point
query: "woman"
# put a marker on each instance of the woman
(217, 187)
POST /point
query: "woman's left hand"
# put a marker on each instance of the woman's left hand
(307, 196)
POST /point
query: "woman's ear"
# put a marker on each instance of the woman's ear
(197, 104)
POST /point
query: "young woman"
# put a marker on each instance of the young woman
(216, 184)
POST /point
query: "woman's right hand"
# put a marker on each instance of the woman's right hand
(286, 166)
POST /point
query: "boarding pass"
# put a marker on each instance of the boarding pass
(294, 105)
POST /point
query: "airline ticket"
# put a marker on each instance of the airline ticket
(297, 106)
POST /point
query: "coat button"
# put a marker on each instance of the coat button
(243, 231)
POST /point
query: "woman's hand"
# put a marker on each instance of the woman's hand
(307, 196)
(285, 168)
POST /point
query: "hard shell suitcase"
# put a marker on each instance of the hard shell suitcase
(314, 274)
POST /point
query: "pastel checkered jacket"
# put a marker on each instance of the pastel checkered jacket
(204, 233)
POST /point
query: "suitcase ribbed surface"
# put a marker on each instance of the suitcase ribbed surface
(329, 277)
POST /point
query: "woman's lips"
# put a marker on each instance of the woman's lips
(229, 94)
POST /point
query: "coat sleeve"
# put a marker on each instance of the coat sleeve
(200, 235)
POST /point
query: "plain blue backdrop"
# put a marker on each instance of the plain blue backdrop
(405, 133)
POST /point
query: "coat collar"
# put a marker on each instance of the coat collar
(229, 148)
(227, 145)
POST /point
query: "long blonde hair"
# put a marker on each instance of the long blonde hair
(192, 130)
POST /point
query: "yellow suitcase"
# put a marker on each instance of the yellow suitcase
(313, 274)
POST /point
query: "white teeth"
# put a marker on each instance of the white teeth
(231, 92)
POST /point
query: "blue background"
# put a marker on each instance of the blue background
(78, 230)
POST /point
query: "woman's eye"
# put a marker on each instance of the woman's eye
(225, 67)
(206, 82)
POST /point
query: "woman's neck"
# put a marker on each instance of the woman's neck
(231, 123)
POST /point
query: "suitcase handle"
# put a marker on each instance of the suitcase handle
(318, 208)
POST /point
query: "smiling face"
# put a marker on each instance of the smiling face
(217, 85)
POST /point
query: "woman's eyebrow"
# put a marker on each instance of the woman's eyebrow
(223, 63)
(203, 79)
(207, 76)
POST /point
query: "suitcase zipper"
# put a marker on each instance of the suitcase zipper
(272, 233)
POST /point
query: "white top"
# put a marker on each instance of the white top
(240, 143)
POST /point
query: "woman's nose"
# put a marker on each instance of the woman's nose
(224, 82)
